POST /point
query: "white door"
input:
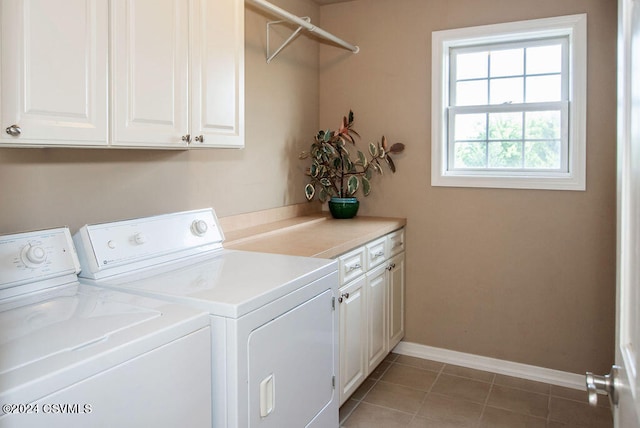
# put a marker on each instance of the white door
(353, 334)
(626, 379)
(150, 54)
(376, 316)
(217, 74)
(54, 72)
(396, 300)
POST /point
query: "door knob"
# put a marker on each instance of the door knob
(186, 138)
(200, 139)
(14, 130)
(604, 384)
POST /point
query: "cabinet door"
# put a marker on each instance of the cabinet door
(396, 300)
(353, 333)
(376, 316)
(150, 54)
(217, 74)
(54, 72)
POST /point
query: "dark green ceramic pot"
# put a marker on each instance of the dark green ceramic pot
(344, 207)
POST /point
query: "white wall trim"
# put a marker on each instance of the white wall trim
(509, 368)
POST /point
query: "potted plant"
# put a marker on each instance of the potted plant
(335, 176)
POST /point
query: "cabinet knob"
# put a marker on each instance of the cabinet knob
(14, 130)
(354, 267)
(200, 138)
(186, 138)
(342, 297)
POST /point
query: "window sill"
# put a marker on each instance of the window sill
(554, 182)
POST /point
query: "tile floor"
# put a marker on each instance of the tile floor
(415, 393)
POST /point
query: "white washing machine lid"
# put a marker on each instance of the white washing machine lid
(227, 283)
(80, 331)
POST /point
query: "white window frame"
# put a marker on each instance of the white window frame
(575, 28)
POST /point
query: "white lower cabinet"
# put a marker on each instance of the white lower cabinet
(371, 306)
(376, 296)
(396, 300)
(353, 331)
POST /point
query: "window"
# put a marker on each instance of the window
(509, 105)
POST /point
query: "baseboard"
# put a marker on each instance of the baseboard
(509, 368)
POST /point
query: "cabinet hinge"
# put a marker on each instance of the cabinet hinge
(333, 382)
(333, 303)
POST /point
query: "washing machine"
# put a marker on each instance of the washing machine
(79, 356)
(273, 318)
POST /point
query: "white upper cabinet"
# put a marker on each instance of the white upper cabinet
(150, 68)
(53, 82)
(217, 74)
(122, 73)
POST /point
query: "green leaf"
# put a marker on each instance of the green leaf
(352, 185)
(327, 135)
(309, 191)
(337, 163)
(314, 169)
(368, 174)
(366, 186)
(373, 150)
(348, 165)
(362, 159)
(323, 195)
(379, 167)
(350, 117)
(325, 182)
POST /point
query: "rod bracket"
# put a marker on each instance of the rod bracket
(270, 55)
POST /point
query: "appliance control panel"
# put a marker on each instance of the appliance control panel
(31, 257)
(128, 245)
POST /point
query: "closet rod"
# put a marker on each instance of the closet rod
(304, 24)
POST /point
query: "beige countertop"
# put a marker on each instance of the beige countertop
(314, 235)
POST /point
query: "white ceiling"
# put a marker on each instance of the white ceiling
(323, 2)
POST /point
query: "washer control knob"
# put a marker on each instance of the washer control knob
(139, 238)
(111, 244)
(36, 255)
(199, 227)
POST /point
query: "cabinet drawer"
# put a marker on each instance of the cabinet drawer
(395, 242)
(376, 253)
(352, 265)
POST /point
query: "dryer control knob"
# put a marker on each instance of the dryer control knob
(139, 238)
(199, 227)
(34, 255)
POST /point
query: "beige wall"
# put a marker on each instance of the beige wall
(42, 188)
(521, 275)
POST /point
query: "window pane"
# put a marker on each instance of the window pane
(471, 93)
(505, 154)
(506, 90)
(471, 65)
(470, 127)
(470, 155)
(507, 62)
(544, 88)
(505, 126)
(542, 125)
(544, 59)
(542, 154)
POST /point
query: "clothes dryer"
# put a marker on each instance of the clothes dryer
(273, 318)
